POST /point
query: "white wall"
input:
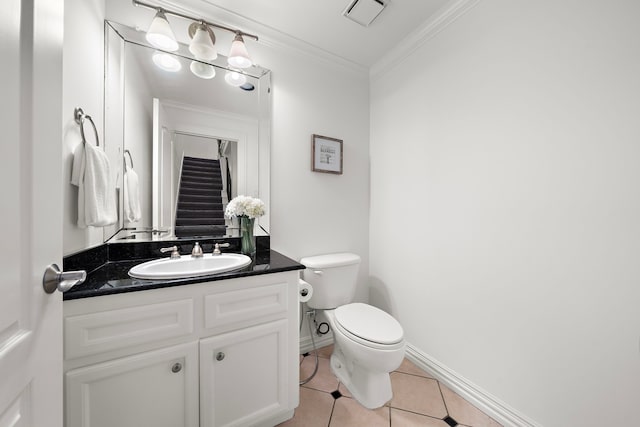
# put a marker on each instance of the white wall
(83, 70)
(197, 146)
(505, 204)
(314, 213)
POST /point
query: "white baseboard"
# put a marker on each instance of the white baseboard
(306, 345)
(473, 394)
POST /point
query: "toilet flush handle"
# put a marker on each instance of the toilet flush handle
(318, 272)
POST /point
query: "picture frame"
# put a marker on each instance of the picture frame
(326, 154)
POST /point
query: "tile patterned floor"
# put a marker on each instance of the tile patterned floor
(418, 400)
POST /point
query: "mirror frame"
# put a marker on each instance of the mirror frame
(115, 122)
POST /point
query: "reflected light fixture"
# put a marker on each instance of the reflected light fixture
(202, 70)
(160, 34)
(203, 41)
(234, 78)
(238, 55)
(166, 61)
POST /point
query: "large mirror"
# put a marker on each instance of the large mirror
(181, 139)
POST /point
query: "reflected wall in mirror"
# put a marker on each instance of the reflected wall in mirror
(183, 142)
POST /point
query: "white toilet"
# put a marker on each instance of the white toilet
(368, 343)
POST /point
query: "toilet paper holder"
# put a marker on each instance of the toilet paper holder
(305, 291)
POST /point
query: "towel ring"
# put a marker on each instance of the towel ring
(79, 115)
(130, 159)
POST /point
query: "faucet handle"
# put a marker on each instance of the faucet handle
(175, 253)
(196, 252)
(217, 246)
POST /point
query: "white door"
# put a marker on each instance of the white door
(31, 34)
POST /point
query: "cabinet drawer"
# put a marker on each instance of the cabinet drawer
(245, 305)
(94, 333)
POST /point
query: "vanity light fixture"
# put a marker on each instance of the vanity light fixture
(160, 34)
(203, 40)
(234, 78)
(166, 62)
(202, 70)
(238, 55)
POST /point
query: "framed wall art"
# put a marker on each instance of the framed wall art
(326, 154)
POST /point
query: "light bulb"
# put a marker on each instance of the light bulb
(235, 79)
(166, 62)
(238, 55)
(160, 34)
(204, 71)
(202, 44)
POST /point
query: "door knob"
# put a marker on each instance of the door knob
(54, 279)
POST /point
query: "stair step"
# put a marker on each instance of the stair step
(200, 221)
(200, 165)
(200, 230)
(197, 205)
(199, 183)
(216, 212)
(212, 188)
(200, 161)
(200, 191)
(200, 198)
(202, 172)
(200, 178)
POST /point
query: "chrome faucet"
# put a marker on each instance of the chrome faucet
(217, 246)
(196, 252)
(174, 251)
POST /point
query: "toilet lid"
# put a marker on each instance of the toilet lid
(369, 323)
(330, 260)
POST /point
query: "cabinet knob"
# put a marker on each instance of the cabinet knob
(177, 367)
(219, 356)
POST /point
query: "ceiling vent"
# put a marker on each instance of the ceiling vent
(364, 11)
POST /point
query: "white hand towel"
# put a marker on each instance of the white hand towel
(132, 211)
(77, 179)
(99, 196)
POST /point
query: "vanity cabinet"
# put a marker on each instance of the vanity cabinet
(214, 354)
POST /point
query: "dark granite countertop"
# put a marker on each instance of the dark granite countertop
(112, 276)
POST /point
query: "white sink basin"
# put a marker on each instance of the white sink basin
(188, 266)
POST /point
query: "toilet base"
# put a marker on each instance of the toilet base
(371, 390)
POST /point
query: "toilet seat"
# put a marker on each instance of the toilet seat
(369, 326)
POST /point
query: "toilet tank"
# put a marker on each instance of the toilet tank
(333, 278)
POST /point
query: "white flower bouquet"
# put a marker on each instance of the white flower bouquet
(245, 206)
(247, 209)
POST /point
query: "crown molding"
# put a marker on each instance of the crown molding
(268, 36)
(448, 14)
(297, 47)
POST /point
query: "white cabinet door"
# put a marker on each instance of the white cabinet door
(157, 388)
(243, 375)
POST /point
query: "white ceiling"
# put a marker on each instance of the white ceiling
(320, 23)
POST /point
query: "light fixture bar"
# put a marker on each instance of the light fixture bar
(181, 15)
